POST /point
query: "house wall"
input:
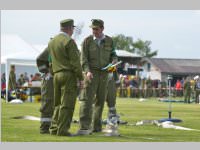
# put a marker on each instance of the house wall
(153, 72)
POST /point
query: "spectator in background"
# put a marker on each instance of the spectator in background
(126, 66)
(192, 85)
(21, 80)
(182, 82)
(123, 88)
(12, 79)
(133, 87)
(197, 89)
(26, 78)
(36, 77)
(12, 84)
(178, 88)
(3, 85)
(133, 83)
(35, 83)
(148, 87)
(126, 81)
(31, 77)
(187, 90)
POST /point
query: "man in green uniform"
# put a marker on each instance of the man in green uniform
(47, 95)
(67, 70)
(187, 90)
(97, 52)
(12, 79)
(12, 84)
(197, 89)
(148, 88)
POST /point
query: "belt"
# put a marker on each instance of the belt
(63, 70)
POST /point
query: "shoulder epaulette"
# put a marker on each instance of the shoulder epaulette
(88, 39)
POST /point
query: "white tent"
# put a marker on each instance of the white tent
(12, 46)
(40, 48)
(15, 50)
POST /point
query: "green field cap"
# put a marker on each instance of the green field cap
(67, 22)
(97, 23)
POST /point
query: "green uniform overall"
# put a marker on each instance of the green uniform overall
(47, 95)
(93, 58)
(148, 88)
(197, 91)
(12, 81)
(187, 91)
(67, 70)
(111, 93)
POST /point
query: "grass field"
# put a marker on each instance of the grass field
(131, 110)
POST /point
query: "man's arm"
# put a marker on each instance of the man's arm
(114, 58)
(75, 59)
(84, 56)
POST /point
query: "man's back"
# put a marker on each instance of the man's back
(58, 51)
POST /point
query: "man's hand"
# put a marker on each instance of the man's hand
(89, 76)
(81, 84)
(114, 61)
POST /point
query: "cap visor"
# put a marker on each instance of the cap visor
(92, 26)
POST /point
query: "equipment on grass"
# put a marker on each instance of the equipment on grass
(165, 124)
(170, 100)
(112, 126)
(16, 101)
(169, 77)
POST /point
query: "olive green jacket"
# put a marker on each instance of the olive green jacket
(94, 57)
(12, 81)
(43, 61)
(64, 55)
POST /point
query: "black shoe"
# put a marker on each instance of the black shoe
(44, 132)
(53, 133)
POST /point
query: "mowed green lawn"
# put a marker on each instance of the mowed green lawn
(131, 110)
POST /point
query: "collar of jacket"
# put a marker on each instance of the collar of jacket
(64, 33)
(101, 38)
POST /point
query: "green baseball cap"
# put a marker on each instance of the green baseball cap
(67, 22)
(97, 23)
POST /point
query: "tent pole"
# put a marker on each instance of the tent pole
(7, 70)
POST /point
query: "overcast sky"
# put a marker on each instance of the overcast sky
(175, 34)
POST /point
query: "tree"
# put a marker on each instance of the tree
(123, 42)
(143, 48)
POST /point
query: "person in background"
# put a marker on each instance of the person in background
(21, 80)
(148, 87)
(3, 85)
(197, 89)
(31, 76)
(12, 84)
(178, 88)
(36, 77)
(26, 78)
(187, 90)
(12, 79)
